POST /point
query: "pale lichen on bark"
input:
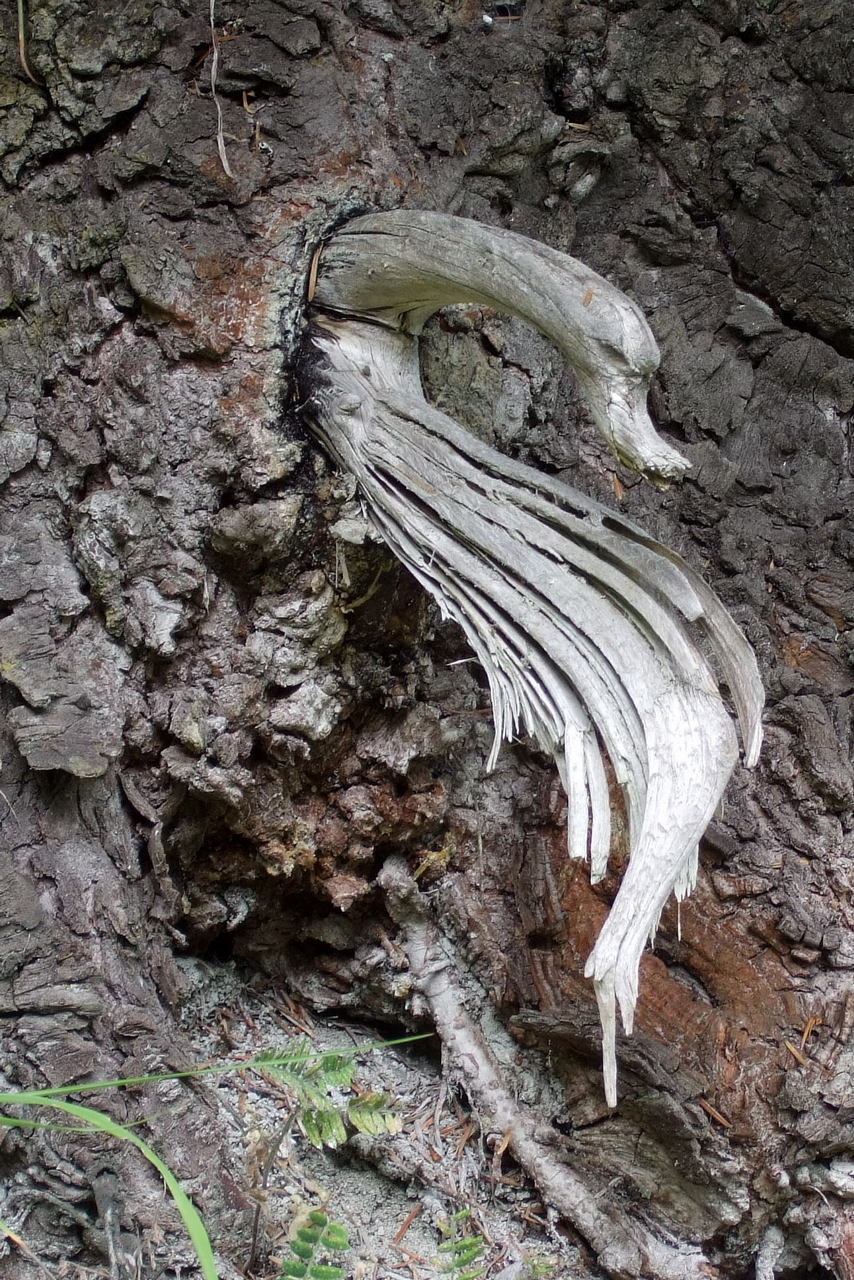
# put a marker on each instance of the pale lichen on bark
(579, 618)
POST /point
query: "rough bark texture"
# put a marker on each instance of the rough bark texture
(226, 708)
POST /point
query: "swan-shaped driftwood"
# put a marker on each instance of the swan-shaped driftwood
(578, 617)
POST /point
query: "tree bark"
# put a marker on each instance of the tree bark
(231, 720)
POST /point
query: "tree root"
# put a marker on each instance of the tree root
(624, 1249)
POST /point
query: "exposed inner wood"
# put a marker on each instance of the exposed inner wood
(586, 627)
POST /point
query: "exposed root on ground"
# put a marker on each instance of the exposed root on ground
(624, 1249)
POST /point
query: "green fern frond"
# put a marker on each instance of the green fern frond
(335, 1238)
(323, 1127)
(315, 1248)
(295, 1270)
(311, 1077)
(314, 1080)
(461, 1248)
(336, 1070)
(461, 1257)
(371, 1113)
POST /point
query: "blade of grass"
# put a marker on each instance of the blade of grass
(192, 1221)
(216, 1068)
(15, 1122)
(54, 1097)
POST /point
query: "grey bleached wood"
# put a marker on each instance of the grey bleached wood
(578, 617)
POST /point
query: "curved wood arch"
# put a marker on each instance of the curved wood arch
(581, 621)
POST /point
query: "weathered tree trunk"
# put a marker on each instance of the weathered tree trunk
(232, 721)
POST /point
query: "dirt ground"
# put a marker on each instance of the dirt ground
(395, 1194)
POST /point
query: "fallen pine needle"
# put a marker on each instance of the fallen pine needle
(714, 1113)
(312, 273)
(464, 1137)
(796, 1053)
(407, 1223)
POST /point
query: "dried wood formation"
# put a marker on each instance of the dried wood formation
(578, 617)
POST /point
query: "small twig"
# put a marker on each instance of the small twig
(22, 45)
(276, 1143)
(811, 1025)
(312, 273)
(408, 1253)
(220, 136)
(10, 806)
(468, 1132)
